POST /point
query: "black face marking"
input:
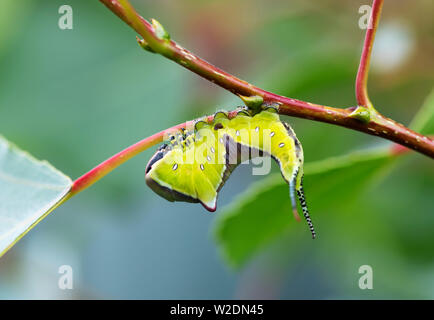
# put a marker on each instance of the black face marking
(218, 126)
(158, 156)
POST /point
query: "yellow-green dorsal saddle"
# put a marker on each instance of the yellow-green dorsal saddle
(194, 165)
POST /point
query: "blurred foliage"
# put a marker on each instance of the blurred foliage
(245, 228)
(423, 122)
(263, 212)
(76, 97)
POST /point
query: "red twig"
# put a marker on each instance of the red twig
(362, 74)
(376, 124)
(373, 123)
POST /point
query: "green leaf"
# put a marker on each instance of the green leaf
(29, 190)
(263, 213)
(423, 121)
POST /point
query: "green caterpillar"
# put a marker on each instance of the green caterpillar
(194, 165)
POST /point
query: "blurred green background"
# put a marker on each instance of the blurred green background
(75, 97)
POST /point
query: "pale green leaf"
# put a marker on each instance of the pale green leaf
(29, 190)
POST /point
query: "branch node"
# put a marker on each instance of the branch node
(144, 45)
(252, 102)
(362, 114)
(155, 37)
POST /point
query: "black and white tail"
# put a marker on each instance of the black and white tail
(303, 204)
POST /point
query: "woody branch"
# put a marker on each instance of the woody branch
(362, 118)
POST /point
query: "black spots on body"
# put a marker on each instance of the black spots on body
(183, 133)
(184, 138)
(218, 126)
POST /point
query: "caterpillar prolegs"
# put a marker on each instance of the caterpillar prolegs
(195, 163)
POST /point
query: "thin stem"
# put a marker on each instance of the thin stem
(362, 73)
(375, 124)
(115, 161)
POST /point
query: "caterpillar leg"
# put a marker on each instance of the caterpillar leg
(303, 204)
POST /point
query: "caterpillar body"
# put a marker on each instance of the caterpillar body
(194, 164)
